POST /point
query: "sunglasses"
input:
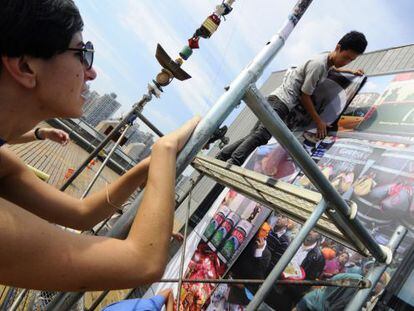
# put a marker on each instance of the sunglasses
(86, 54)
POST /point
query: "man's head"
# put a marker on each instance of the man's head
(281, 223)
(311, 238)
(37, 39)
(348, 49)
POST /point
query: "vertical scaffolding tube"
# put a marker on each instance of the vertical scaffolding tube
(184, 246)
(214, 118)
(287, 256)
(376, 272)
(259, 105)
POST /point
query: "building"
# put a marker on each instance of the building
(90, 98)
(98, 109)
(134, 150)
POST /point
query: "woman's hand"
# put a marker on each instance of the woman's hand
(179, 137)
(55, 135)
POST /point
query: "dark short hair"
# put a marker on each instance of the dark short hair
(39, 28)
(355, 41)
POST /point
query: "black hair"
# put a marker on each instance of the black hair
(39, 28)
(355, 41)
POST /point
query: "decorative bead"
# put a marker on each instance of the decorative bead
(186, 52)
(164, 77)
(179, 61)
(193, 42)
(227, 8)
(220, 9)
(209, 26)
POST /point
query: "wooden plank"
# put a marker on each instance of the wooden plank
(295, 202)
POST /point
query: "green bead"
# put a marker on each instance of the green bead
(186, 52)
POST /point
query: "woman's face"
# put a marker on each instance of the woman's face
(61, 82)
(343, 258)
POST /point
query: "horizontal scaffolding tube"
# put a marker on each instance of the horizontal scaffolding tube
(376, 272)
(260, 106)
(352, 283)
(287, 256)
(205, 129)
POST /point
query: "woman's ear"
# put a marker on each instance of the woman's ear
(20, 69)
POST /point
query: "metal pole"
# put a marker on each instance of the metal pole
(181, 270)
(287, 256)
(182, 199)
(18, 300)
(376, 272)
(95, 178)
(149, 124)
(8, 298)
(259, 105)
(136, 108)
(352, 283)
(217, 114)
(98, 301)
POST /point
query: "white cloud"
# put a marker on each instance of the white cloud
(161, 120)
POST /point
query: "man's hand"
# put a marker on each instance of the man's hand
(260, 243)
(358, 72)
(55, 135)
(321, 129)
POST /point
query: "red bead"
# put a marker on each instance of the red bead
(193, 42)
(215, 19)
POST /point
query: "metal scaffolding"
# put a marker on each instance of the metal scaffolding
(341, 221)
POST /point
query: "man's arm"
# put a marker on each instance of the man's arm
(314, 71)
(307, 103)
(358, 72)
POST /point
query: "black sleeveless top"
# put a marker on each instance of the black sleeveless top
(2, 142)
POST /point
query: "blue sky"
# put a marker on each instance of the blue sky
(126, 32)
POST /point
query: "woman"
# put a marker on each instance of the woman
(335, 266)
(44, 67)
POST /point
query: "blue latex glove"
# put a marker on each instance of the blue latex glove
(152, 304)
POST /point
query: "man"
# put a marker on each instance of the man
(44, 68)
(297, 88)
(309, 257)
(252, 264)
(277, 241)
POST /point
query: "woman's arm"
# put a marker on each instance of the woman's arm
(53, 134)
(39, 255)
(20, 186)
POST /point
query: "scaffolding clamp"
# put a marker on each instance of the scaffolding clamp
(353, 209)
(388, 252)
